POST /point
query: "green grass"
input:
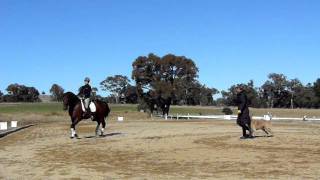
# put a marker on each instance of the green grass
(45, 108)
(56, 108)
(195, 110)
(30, 108)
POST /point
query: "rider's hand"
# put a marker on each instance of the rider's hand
(239, 111)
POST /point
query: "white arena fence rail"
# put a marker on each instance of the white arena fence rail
(234, 117)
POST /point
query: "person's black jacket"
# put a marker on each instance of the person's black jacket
(242, 102)
(85, 91)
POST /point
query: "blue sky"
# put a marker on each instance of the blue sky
(232, 41)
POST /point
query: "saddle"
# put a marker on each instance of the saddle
(92, 106)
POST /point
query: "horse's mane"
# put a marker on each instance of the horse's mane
(73, 99)
(71, 95)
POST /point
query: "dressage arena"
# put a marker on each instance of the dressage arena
(141, 148)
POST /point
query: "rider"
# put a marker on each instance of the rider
(85, 94)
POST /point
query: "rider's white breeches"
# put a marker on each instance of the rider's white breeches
(86, 103)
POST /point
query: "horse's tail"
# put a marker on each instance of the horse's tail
(104, 105)
(107, 109)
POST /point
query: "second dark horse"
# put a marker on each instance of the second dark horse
(72, 103)
(158, 103)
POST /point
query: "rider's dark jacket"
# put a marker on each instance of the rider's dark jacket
(85, 91)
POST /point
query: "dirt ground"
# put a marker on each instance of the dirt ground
(159, 149)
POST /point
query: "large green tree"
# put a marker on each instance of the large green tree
(229, 97)
(305, 97)
(56, 92)
(1, 98)
(316, 87)
(276, 92)
(115, 84)
(165, 75)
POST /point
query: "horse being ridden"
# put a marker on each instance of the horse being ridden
(72, 103)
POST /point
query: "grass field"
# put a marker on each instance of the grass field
(56, 108)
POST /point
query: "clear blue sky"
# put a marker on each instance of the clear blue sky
(232, 41)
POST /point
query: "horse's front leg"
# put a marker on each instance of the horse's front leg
(73, 128)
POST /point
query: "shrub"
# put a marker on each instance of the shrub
(227, 111)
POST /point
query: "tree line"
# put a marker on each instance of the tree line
(20, 93)
(277, 92)
(177, 77)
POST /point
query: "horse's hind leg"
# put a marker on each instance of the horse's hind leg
(72, 129)
(73, 132)
(97, 128)
(267, 131)
(103, 126)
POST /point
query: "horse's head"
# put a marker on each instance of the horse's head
(69, 100)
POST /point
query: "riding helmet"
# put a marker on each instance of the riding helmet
(87, 79)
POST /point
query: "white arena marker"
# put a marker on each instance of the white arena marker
(120, 119)
(14, 124)
(3, 125)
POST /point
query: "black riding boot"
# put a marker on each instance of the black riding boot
(244, 133)
(87, 113)
(250, 133)
(93, 114)
(248, 127)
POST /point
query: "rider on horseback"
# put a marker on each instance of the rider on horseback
(85, 95)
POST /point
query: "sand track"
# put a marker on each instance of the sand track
(161, 150)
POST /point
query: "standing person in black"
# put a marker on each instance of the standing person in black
(243, 120)
(85, 95)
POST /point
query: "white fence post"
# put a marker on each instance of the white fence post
(120, 119)
(3, 125)
(14, 124)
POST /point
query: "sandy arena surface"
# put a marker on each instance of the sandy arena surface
(158, 149)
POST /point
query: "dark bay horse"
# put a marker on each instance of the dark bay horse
(161, 103)
(72, 103)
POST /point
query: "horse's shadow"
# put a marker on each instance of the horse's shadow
(104, 136)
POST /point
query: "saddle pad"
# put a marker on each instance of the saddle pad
(92, 107)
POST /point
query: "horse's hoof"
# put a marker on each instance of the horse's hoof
(71, 137)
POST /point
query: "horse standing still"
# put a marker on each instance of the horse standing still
(72, 103)
(162, 104)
